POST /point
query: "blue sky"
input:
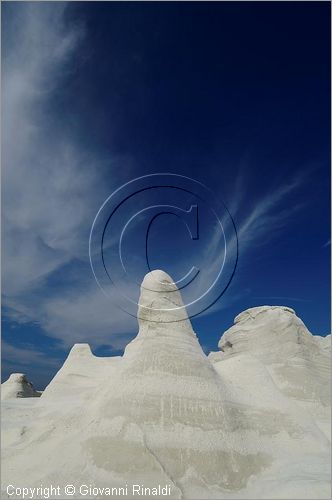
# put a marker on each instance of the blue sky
(235, 95)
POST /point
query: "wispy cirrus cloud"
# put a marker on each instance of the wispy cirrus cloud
(271, 213)
(52, 187)
(257, 223)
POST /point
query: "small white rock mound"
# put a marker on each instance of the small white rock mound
(18, 386)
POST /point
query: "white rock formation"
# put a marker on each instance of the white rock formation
(298, 361)
(18, 386)
(80, 376)
(275, 365)
(250, 421)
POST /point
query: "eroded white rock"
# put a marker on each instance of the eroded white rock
(81, 375)
(249, 421)
(18, 386)
(298, 361)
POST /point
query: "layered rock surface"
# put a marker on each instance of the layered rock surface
(298, 362)
(250, 421)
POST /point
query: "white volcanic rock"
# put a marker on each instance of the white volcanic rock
(247, 422)
(272, 361)
(171, 406)
(18, 386)
(298, 361)
(81, 374)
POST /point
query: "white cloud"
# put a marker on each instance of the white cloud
(26, 355)
(76, 315)
(270, 214)
(256, 224)
(53, 187)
